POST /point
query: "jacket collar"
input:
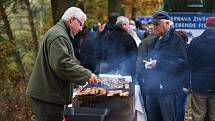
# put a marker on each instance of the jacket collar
(119, 29)
(165, 38)
(167, 35)
(68, 30)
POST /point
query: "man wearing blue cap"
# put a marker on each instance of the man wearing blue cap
(163, 74)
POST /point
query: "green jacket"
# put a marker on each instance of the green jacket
(56, 68)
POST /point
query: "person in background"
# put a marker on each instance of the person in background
(95, 30)
(151, 30)
(201, 60)
(183, 35)
(140, 30)
(145, 27)
(84, 46)
(100, 44)
(132, 32)
(121, 50)
(181, 98)
(144, 50)
(164, 69)
(56, 68)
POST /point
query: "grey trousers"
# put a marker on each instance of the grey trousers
(45, 111)
(200, 103)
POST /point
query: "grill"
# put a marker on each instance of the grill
(84, 114)
(121, 107)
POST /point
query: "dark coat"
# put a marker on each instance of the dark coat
(87, 54)
(168, 75)
(202, 62)
(84, 47)
(100, 46)
(121, 52)
(144, 49)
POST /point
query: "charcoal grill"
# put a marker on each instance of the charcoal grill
(121, 108)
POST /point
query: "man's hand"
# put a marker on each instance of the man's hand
(153, 63)
(150, 64)
(93, 79)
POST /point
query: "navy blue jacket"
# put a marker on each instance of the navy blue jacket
(172, 68)
(202, 62)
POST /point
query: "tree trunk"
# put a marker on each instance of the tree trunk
(59, 7)
(11, 39)
(166, 5)
(182, 6)
(31, 22)
(115, 6)
(209, 6)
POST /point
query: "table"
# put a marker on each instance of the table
(140, 113)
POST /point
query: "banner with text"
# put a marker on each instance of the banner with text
(189, 20)
(192, 23)
(183, 20)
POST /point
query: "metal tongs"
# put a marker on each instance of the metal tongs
(97, 85)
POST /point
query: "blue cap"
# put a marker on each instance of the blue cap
(157, 16)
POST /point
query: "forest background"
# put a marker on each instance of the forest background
(23, 23)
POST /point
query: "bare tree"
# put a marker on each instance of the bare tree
(11, 38)
(59, 7)
(115, 6)
(31, 22)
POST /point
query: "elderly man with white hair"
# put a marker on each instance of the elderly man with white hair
(121, 50)
(164, 70)
(56, 69)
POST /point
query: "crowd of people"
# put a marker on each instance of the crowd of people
(157, 57)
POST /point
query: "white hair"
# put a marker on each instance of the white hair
(122, 20)
(164, 20)
(74, 12)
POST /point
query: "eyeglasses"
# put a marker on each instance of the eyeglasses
(81, 24)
